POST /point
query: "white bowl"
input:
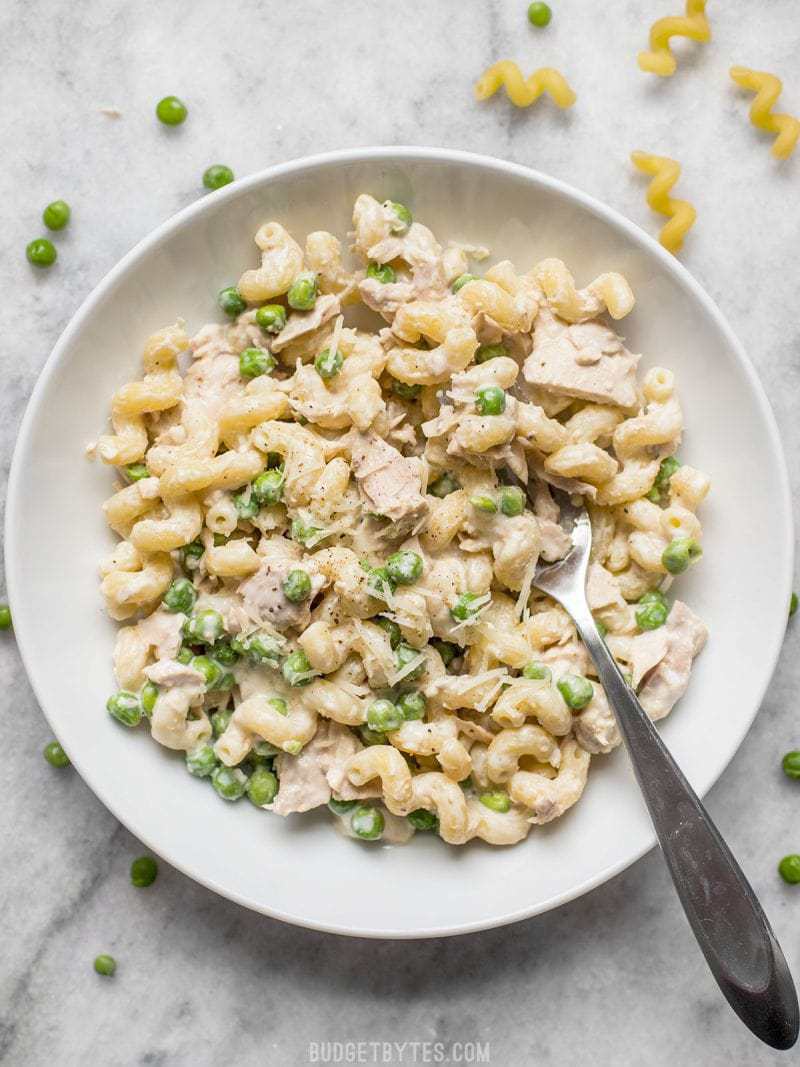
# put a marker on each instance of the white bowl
(300, 870)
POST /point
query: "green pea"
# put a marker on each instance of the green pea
(185, 655)
(602, 629)
(260, 648)
(268, 486)
(539, 14)
(490, 400)
(220, 721)
(180, 596)
(144, 872)
(487, 352)
(271, 318)
(217, 175)
(402, 217)
(202, 760)
(231, 302)
(328, 364)
(341, 807)
(105, 965)
(537, 671)
(383, 716)
(412, 706)
(56, 215)
(305, 535)
(483, 503)
(279, 704)
(789, 869)
(576, 690)
(652, 611)
(136, 471)
(661, 483)
(296, 669)
(462, 280)
(55, 755)
(444, 485)
(246, 504)
(791, 764)
(190, 554)
(379, 582)
(229, 782)
(41, 252)
(262, 787)
(253, 362)
(302, 294)
(463, 608)
(367, 823)
(405, 390)
(171, 111)
(205, 627)
(225, 654)
(680, 553)
(211, 671)
(371, 737)
(125, 708)
(297, 586)
(423, 820)
(403, 656)
(381, 272)
(404, 567)
(391, 628)
(792, 604)
(148, 697)
(496, 800)
(5, 617)
(447, 650)
(512, 500)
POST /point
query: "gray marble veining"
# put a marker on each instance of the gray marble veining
(612, 979)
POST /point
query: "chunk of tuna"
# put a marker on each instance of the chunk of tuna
(390, 483)
(308, 779)
(302, 323)
(265, 601)
(584, 360)
(686, 636)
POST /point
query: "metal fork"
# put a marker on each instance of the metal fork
(723, 911)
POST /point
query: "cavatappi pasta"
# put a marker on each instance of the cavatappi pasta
(326, 584)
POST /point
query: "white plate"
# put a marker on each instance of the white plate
(300, 870)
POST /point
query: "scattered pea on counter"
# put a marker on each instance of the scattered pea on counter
(56, 215)
(144, 872)
(217, 175)
(539, 14)
(55, 755)
(105, 965)
(5, 617)
(171, 111)
(41, 252)
(789, 869)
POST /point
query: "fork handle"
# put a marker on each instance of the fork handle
(725, 915)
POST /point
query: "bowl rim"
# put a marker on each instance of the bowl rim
(387, 154)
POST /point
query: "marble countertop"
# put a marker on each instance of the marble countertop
(612, 979)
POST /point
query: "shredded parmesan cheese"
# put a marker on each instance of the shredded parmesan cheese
(522, 609)
(477, 607)
(409, 668)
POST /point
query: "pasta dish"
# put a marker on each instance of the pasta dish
(325, 567)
